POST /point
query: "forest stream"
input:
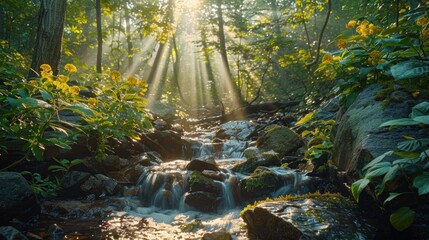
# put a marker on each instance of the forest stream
(157, 208)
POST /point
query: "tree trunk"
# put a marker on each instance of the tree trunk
(2, 23)
(128, 34)
(209, 69)
(236, 96)
(99, 35)
(49, 35)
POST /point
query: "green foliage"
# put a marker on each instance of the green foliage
(317, 134)
(385, 171)
(42, 187)
(64, 165)
(396, 55)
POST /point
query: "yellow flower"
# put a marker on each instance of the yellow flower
(327, 58)
(92, 102)
(375, 57)
(403, 10)
(75, 90)
(351, 24)
(422, 21)
(366, 28)
(133, 80)
(115, 75)
(47, 74)
(32, 82)
(372, 29)
(342, 43)
(62, 78)
(45, 67)
(70, 68)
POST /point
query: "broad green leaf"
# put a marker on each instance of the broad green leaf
(308, 117)
(56, 168)
(420, 109)
(421, 182)
(391, 174)
(422, 119)
(85, 111)
(45, 95)
(75, 162)
(377, 160)
(64, 144)
(400, 122)
(37, 152)
(358, 187)
(410, 69)
(376, 172)
(402, 218)
(409, 145)
(394, 195)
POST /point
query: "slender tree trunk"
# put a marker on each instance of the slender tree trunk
(49, 35)
(128, 34)
(176, 69)
(99, 35)
(209, 68)
(224, 54)
(156, 63)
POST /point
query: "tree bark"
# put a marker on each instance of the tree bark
(2, 23)
(99, 35)
(224, 54)
(128, 34)
(49, 36)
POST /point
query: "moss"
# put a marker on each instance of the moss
(331, 197)
(261, 180)
(197, 178)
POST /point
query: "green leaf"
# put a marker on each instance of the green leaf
(422, 119)
(402, 218)
(376, 172)
(410, 69)
(377, 160)
(421, 182)
(358, 187)
(394, 195)
(400, 122)
(56, 168)
(391, 174)
(37, 152)
(64, 144)
(308, 117)
(420, 109)
(85, 111)
(409, 145)
(33, 102)
(45, 95)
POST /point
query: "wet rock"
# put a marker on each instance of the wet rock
(219, 235)
(160, 124)
(260, 183)
(240, 130)
(328, 110)
(233, 148)
(359, 139)
(251, 152)
(266, 159)
(16, 197)
(199, 182)
(202, 201)
(216, 175)
(198, 165)
(167, 143)
(329, 216)
(74, 179)
(100, 184)
(280, 139)
(10, 233)
(76, 209)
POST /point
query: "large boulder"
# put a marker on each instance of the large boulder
(280, 139)
(198, 165)
(16, 197)
(202, 201)
(199, 182)
(329, 216)
(253, 160)
(359, 139)
(241, 130)
(260, 183)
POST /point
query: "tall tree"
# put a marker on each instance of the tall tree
(49, 35)
(128, 34)
(99, 35)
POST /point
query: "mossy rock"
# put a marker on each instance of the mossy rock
(260, 183)
(199, 182)
(266, 159)
(280, 139)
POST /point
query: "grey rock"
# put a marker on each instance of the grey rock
(240, 130)
(280, 139)
(10, 233)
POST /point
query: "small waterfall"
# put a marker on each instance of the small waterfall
(228, 200)
(293, 182)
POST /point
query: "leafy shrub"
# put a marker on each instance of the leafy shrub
(410, 163)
